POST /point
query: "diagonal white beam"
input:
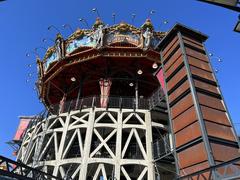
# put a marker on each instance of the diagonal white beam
(38, 129)
(158, 125)
(51, 125)
(78, 126)
(47, 145)
(139, 118)
(127, 118)
(103, 142)
(100, 168)
(76, 171)
(111, 117)
(79, 119)
(61, 121)
(140, 144)
(100, 117)
(103, 171)
(142, 173)
(80, 142)
(30, 152)
(62, 172)
(97, 172)
(55, 143)
(69, 144)
(127, 143)
(125, 173)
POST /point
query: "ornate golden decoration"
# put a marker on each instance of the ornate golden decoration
(123, 27)
(77, 34)
(49, 52)
(40, 67)
(147, 24)
(97, 23)
(160, 34)
(59, 36)
(118, 29)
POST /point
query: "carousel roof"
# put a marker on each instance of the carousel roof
(92, 52)
(118, 33)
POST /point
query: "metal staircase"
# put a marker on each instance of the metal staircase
(11, 170)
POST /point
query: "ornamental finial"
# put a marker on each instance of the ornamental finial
(147, 24)
(97, 23)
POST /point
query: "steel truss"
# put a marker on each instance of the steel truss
(94, 143)
(16, 170)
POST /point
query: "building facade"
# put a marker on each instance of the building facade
(128, 103)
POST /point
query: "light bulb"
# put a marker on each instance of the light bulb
(139, 71)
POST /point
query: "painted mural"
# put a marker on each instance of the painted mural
(128, 37)
(53, 57)
(86, 41)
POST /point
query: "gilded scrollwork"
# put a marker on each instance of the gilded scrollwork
(49, 52)
(124, 27)
(79, 33)
(102, 35)
(40, 67)
(147, 24)
(98, 23)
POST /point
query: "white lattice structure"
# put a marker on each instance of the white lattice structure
(94, 143)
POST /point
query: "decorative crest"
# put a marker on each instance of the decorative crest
(49, 52)
(97, 23)
(59, 36)
(148, 24)
(76, 35)
(123, 27)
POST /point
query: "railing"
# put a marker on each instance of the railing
(161, 148)
(224, 171)
(109, 102)
(16, 170)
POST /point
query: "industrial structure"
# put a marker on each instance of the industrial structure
(129, 103)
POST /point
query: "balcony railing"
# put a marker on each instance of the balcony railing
(161, 148)
(109, 102)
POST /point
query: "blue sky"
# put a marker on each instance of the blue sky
(24, 24)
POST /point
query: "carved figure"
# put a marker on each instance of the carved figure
(59, 46)
(147, 38)
(98, 36)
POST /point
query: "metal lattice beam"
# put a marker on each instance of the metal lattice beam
(21, 171)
